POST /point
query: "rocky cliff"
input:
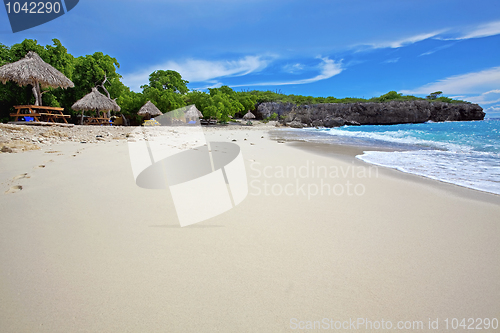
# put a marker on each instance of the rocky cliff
(395, 112)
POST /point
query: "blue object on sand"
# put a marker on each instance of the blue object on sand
(28, 118)
(192, 122)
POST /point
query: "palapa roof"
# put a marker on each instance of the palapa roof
(249, 115)
(96, 101)
(149, 108)
(192, 111)
(32, 69)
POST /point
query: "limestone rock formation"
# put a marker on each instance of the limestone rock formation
(394, 112)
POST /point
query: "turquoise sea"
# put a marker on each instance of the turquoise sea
(463, 153)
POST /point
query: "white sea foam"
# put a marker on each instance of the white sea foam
(401, 137)
(462, 153)
(479, 171)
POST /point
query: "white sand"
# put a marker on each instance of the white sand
(83, 249)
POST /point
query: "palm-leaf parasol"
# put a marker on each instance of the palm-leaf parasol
(149, 109)
(249, 115)
(193, 112)
(95, 101)
(34, 71)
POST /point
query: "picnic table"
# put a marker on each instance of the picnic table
(40, 113)
(97, 121)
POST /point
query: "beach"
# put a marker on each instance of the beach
(321, 238)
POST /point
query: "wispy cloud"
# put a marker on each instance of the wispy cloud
(493, 111)
(204, 70)
(394, 44)
(483, 30)
(470, 83)
(293, 68)
(212, 84)
(489, 97)
(439, 48)
(391, 61)
(197, 70)
(328, 68)
(478, 31)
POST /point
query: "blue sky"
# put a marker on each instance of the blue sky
(341, 48)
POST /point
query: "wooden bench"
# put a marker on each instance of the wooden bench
(51, 113)
(97, 121)
(56, 115)
(52, 117)
(34, 115)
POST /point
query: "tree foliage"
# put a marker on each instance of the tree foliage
(165, 90)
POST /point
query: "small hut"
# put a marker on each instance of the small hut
(249, 115)
(95, 101)
(149, 110)
(192, 113)
(34, 71)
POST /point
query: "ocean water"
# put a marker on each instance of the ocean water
(463, 153)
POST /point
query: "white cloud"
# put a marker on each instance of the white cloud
(470, 83)
(483, 30)
(439, 48)
(293, 68)
(492, 111)
(328, 68)
(489, 97)
(391, 61)
(214, 84)
(478, 31)
(394, 44)
(204, 70)
(196, 70)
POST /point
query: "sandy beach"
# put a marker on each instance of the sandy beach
(320, 238)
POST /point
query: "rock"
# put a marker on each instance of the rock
(296, 124)
(318, 123)
(6, 149)
(335, 122)
(394, 112)
(265, 110)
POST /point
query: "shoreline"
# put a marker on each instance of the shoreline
(348, 153)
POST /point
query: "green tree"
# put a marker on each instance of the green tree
(166, 90)
(89, 72)
(226, 103)
(168, 80)
(130, 102)
(434, 95)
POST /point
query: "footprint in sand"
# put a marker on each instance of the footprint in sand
(21, 176)
(41, 166)
(14, 189)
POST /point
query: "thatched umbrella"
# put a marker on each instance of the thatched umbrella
(193, 112)
(95, 101)
(249, 115)
(34, 71)
(149, 110)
